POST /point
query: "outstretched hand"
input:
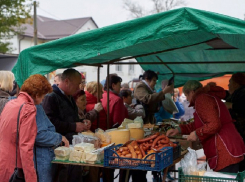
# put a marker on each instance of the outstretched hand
(172, 132)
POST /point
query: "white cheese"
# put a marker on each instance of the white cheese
(126, 121)
(75, 156)
(93, 157)
(60, 158)
(88, 133)
(134, 125)
(84, 147)
(83, 157)
(62, 151)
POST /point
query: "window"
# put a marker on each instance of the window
(118, 67)
(131, 69)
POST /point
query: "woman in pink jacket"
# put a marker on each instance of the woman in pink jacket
(32, 93)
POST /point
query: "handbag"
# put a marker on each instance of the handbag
(18, 175)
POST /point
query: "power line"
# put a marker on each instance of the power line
(58, 18)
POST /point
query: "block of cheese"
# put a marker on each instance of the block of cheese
(83, 157)
(60, 158)
(119, 136)
(93, 157)
(126, 121)
(136, 133)
(84, 147)
(134, 125)
(62, 151)
(75, 156)
(90, 133)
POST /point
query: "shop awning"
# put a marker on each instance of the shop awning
(191, 43)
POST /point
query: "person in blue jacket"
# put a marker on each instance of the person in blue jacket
(46, 140)
(162, 113)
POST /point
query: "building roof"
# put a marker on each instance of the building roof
(50, 29)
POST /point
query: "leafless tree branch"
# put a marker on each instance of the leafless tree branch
(135, 9)
(138, 11)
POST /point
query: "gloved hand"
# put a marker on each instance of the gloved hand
(98, 107)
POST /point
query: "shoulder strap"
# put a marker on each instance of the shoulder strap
(17, 142)
(17, 135)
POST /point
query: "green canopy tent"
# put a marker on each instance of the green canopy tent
(190, 43)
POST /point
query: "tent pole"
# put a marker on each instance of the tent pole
(98, 94)
(107, 82)
(165, 65)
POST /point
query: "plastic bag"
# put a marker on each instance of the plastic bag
(103, 136)
(189, 163)
(80, 138)
(169, 105)
(139, 119)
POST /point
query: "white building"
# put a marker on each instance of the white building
(50, 29)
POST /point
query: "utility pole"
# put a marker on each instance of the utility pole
(35, 23)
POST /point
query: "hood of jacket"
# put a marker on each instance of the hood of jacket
(91, 99)
(4, 94)
(215, 91)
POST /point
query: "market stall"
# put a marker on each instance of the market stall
(186, 43)
(131, 149)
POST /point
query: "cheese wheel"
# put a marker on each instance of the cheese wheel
(136, 133)
(119, 136)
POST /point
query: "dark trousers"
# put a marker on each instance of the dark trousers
(67, 173)
(242, 165)
(234, 168)
(93, 175)
(108, 174)
(137, 175)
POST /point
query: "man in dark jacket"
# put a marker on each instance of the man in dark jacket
(62, 111)
(235, 104)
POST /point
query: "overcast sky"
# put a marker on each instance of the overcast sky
(107, 12)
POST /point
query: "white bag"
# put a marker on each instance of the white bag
(169, 105)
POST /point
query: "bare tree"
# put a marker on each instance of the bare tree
(138, 11)
(135, 9)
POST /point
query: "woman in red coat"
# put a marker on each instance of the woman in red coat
(117, 111)
(213, 126)
(92, 103)
(32, 93)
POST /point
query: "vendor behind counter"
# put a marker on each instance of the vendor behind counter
(145, 95)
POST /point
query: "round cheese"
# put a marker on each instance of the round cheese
(136, 133)
(119, 136)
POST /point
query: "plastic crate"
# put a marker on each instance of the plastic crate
(162, 160)
(176, 151)
(193, 178)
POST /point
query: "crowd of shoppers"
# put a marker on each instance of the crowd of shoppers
(50, 116)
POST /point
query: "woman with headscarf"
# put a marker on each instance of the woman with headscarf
(235, 103)
(213, 127)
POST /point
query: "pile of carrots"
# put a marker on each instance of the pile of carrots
(140, 149)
